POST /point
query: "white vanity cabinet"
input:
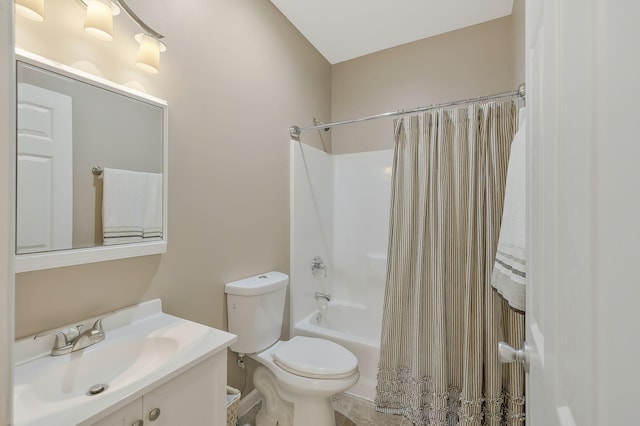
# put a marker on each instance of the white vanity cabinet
(195, 397)
(126, 416)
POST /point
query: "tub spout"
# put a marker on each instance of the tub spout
(324, 296)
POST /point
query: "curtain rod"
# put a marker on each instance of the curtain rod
(295, 131)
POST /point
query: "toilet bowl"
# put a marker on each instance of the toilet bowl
(296, 378)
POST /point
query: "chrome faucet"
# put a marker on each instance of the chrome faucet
(74, 340)
(90, 337)
(324, 296)
(318, 264)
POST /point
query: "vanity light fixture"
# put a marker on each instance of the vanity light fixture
(150, 43)
(30, 9)
(98, 21)
(149, 53)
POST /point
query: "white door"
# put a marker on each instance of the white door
(45, 176)
(584, 212)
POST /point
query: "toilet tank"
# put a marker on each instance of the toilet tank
(255, 309)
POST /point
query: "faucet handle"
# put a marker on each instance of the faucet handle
(318, 264)
(73, 332)
(97, 326)
(61, 339)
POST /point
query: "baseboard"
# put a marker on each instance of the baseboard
(248, 402)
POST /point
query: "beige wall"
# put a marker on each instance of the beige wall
(518, 40)
(235, 75)
(470, 62)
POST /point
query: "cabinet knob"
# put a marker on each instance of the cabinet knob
(154, 414)
(137, 423)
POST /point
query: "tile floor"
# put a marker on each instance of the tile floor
(350, 411)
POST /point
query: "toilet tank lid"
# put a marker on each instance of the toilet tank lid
(258, 284)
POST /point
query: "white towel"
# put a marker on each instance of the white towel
(509, 270)
(152, 224)
(131, 206)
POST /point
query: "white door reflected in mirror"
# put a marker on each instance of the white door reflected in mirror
(45, 171)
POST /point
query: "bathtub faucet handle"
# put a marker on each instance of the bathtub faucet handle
(318, 264)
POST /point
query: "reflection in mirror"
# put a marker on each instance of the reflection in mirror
(67, 125)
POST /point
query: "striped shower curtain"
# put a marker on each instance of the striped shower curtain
(442, 319)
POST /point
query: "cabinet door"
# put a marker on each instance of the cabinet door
(196, 397)
(126, 416)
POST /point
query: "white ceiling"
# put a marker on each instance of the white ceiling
(345, 29)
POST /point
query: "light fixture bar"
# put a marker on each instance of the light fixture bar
(139, 21)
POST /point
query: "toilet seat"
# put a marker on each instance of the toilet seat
(315, 358)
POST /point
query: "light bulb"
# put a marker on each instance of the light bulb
(98, 21)
(149, 53)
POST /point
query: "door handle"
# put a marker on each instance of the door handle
(507, 354)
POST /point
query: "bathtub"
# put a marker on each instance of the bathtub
(356, 328)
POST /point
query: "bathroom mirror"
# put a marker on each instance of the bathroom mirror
(73, 129)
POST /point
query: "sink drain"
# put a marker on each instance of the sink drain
(96, 389)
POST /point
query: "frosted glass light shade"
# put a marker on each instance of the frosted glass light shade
(149, 53)
(31, 9)
(99, 20)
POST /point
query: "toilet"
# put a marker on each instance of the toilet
(296, 378)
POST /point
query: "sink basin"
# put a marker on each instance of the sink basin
(143, 351)
(114, 365)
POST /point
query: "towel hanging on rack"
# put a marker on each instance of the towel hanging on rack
(131, 206)
(509, 270)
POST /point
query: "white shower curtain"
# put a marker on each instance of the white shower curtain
(442, 318)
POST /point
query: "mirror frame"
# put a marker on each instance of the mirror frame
(69, 257)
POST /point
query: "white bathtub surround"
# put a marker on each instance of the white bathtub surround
(362, 194)
(442, 318)
(340, 211)
(311, 226)
(375, 275)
